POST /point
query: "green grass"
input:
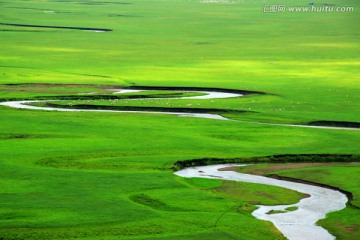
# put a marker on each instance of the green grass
(288, 209)
(107, 176)
(255, 194)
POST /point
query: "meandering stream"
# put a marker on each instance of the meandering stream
(295, 225)
(26, 104)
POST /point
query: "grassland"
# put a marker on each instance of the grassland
(107, 176)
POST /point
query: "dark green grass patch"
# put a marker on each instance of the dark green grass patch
(153, 203)
(255, 194)
(288, 209)
(276, 211)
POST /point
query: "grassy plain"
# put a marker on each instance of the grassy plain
(107, 176)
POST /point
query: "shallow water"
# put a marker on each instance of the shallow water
(295, 225)
(208, 94)
(25, 105)
(118, 91)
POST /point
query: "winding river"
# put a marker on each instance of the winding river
(295, 225)
(26, 104)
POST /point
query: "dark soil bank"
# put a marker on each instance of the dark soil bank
(284, 158)
(58, 27)
(144, 109)
(335, 124)
(245, 92)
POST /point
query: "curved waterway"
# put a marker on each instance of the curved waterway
(207, 94)
(295, 225)
(26, 104)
